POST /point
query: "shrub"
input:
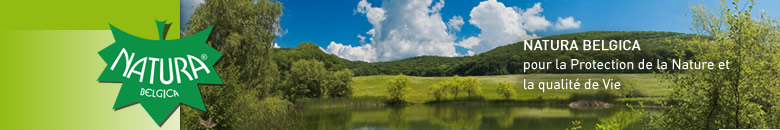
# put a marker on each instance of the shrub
(471, 86)
(505, 89)
(310, 79)
(305, 80)
(399, 86)
(453, 86)
(739, 97)
(438, 92)
(275, 112)
(339, 85)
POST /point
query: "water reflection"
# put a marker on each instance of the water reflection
(453, 116)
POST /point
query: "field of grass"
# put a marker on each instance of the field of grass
(376, 86)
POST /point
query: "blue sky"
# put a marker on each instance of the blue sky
(335, 25)
(337, 22)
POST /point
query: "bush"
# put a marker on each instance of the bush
(399, 86)
(245, 67)
(454, 86)
(739, 97)
(305, 80)
(472, 87)
(310, 79)
(774, 116)
(339, 85)
(505, 89)
(275, 112)
(438, 92)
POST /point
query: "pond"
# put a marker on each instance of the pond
(488, 117)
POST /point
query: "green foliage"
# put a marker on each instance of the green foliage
(275, 112)
(740, 97)
(454, 86)
(416, 66)
(339, 83)
(472, 86)
(629, 90)
(438, 92)
(577, 125)
(310, 79)
(399, 87)
(306, 79)
(334, 77)
(506, 90)
(244, 38)
(623, 120)
(284, 57)
(774, 116)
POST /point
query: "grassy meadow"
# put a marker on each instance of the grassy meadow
(645, 84)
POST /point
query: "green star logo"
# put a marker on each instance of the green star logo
(159, 74)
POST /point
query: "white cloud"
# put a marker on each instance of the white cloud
(470, 53)
(373, 14)
(362, 39)
(408, 28)
(468, 42)
(503, 25)
(567, 23)
(437, 7)
(455, 23)
(276, 45)
(363, 53)
(401, 29)
(532, 18)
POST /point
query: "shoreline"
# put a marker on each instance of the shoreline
(375, 102)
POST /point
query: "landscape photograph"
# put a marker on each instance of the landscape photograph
(472, 64)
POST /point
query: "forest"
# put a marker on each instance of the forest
(509, 59)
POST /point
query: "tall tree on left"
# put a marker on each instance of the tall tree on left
(244, 31)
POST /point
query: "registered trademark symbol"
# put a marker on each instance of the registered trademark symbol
(204, 56)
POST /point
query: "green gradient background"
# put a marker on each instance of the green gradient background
(50, 63)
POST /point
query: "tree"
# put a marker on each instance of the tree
(398, 88)
(310, 79)
(505, 89)
(243, 32)
(339, 83)
(337, 78)
(438, 92)
(306, 79)
(454, 86)
(472, 86)
(284, 57)
(744, 96)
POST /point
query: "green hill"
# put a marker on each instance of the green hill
(509, 59)
(506, 59)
